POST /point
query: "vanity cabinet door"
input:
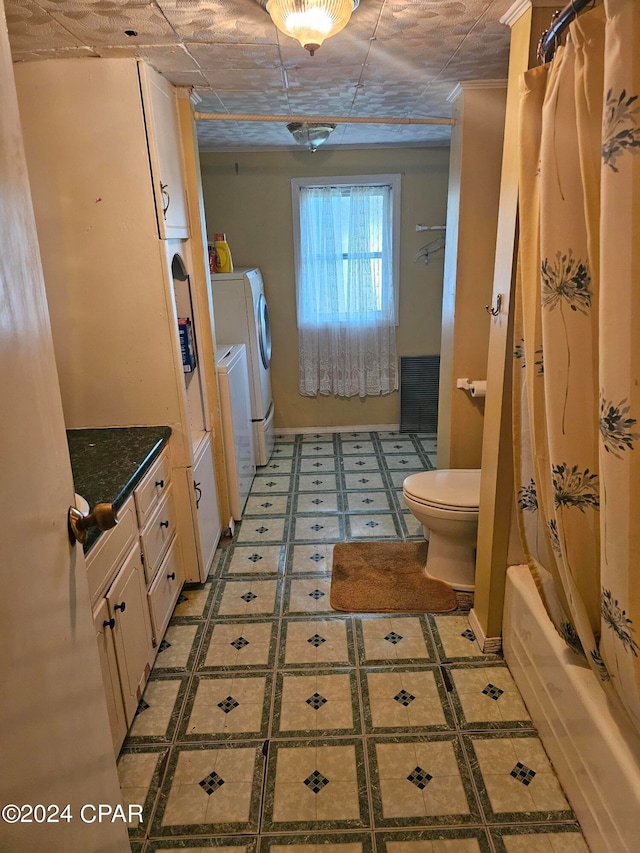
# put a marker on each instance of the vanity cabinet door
(127, 601)
(204, 484)
(165, 153)
(152, 488)
(164, 591)
(157, 535)
(107, 554)
(109, 666)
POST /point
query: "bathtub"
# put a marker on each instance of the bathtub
(593, 747)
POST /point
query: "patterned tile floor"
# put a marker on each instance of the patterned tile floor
(271, 722)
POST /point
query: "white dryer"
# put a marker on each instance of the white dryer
(242, 316)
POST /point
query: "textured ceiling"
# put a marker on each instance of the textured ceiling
(394, 59)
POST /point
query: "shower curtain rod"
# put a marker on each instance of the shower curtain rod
(559, 23)
(319, 119)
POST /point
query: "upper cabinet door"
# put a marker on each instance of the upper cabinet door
(165, 153)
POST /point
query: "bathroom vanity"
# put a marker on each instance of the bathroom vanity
(135, 570)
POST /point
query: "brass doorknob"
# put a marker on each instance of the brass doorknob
(104, 517)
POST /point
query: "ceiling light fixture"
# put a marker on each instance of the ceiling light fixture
(310, 134)
(310, 21)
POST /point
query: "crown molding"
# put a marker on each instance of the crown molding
(470, 85)
(515, 12)
(492, 83)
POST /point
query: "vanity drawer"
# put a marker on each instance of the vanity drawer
(106, 556)
(152, 487)
(165, 589)
(157, 534)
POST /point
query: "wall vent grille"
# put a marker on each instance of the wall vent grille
(419, 382)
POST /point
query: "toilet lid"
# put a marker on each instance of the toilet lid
(454, 488)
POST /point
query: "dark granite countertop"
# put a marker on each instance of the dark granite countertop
(109, 463)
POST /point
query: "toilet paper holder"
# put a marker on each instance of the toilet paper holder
(476, 387)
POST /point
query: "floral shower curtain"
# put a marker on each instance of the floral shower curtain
(577, 374)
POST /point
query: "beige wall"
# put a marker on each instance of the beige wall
(472, 220)
(248, 196)
(496, 488)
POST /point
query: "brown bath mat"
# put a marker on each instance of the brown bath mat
(386, 577)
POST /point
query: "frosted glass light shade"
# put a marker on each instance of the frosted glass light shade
(310, 134)
(310, 21)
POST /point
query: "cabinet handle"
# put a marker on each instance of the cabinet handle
(160, 484)
(171, 577)
(166, 198)
(164, 524)
(109, 623)
(121, 607)
(198, 492)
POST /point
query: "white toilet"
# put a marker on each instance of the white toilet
(446, 504)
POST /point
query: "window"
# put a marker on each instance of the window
(346, 233)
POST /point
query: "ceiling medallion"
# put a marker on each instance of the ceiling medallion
(310, 21)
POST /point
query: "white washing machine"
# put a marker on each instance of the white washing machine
(235, 408)
(242, 316)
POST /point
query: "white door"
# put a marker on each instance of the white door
(163, 137)
(207, 504)
(127, 599)
(55, 743)
(104, 624)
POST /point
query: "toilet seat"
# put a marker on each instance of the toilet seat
(456, 490)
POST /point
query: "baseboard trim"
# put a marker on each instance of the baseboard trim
(489, 645)
(325, 429)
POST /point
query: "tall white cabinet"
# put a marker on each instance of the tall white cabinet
(105, 165)
(163, 140)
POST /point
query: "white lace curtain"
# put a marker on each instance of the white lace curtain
(345, 287)
(577, 375)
